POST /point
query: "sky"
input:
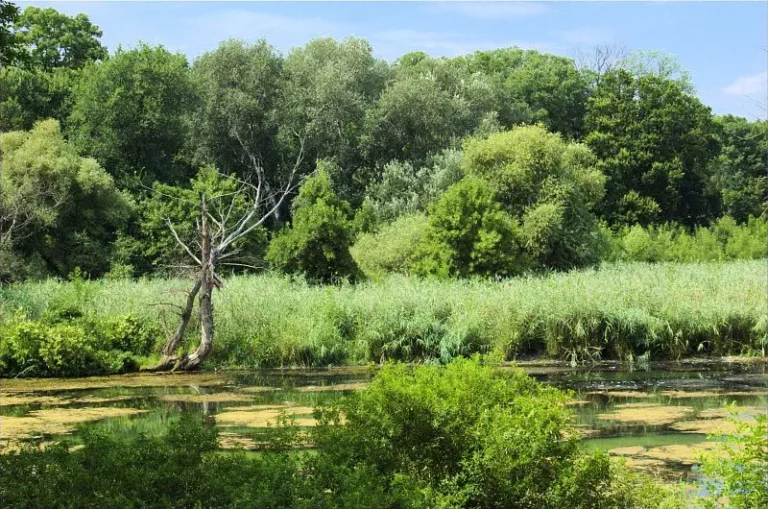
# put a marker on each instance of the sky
(723, 45)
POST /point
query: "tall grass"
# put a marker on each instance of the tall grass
(624, 311)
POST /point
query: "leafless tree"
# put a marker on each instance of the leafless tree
(218, 232)
(601, 58)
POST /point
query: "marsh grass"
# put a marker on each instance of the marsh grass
(617, 311)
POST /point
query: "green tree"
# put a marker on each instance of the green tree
(654, 142)
(413, 118)
(739, 174)
(330, 86)
(9, 43)
(534, 87)
(470, 234)
(657, 63)
(27, 96)
(548, 186)
(37, 78)
(234, 124)
(55, 205)
(128, 113)
(317, 242)
(53, 39)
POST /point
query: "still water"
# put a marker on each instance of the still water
(658, 417)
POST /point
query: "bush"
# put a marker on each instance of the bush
(459, 436)
(547, 185)
(470, 234)
(738, 469)
(66, 343)
(316, 245)
(723, 240)
(393, 249)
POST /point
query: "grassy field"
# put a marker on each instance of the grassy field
(624, 311)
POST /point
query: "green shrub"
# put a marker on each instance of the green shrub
(548, 186)
(460, 436)
(470, 234)
(738, 468)
(393, 249)
(65, 343)
(723, 240)
(316, 245)
(129, 333)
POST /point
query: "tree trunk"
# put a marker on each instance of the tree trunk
(170, 358)
(193, 361)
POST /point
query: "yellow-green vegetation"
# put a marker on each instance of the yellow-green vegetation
(461, 436)
(738, 466)
(55, 421)
(624, 311)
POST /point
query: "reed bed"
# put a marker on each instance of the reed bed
(625, 311)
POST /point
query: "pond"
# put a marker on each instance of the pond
(657, 418)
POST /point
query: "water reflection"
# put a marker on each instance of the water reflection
(655, 415)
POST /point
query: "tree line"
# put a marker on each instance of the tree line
(491, 164)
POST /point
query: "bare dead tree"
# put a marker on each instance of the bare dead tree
(218, 233)
(601, 58)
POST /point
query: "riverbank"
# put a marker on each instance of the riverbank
(656, 417)
(635, 312)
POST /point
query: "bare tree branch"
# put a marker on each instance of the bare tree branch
(182, 244)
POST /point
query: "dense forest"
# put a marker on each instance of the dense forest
(491, 164)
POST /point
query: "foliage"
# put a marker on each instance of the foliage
(460, 436)
(316, 244)
(470, 234)
(657, 63)
(413, 118)
(548, 186)
(234, 121)
(738, 468)
(27, 96)
(457, 437)
(328, 89)
(53, 39)
(738, 173)
(392, 249)
(402, 189)
(534, 88)
(55, 204)
(181, 207)
(178, 470)
(128, 113)
(661, 311)
(723, 240)
(80, 345)
(9, 43)
(653, 142)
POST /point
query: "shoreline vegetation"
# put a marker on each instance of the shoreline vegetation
(633, 312)
(471, 436)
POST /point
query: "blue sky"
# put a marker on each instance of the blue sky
(724, 45)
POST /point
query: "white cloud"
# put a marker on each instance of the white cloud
(392, 44)
(495, 10)
(756, 85)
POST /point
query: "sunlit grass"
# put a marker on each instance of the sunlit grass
(618, 311)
